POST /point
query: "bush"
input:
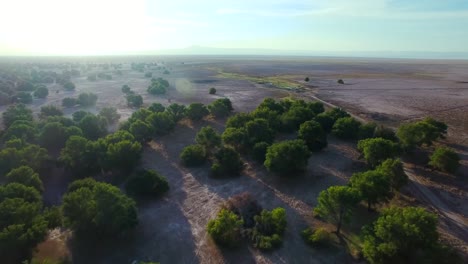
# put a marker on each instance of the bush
(318, 238)
(287, 157)
(24, 97)
(193, 155)
(340, 81)
(445, 159)
(218, 108)
(307, 79)
(50, 110)
(269, 226)
(245, 206)
(212, 90)
(208, 137)
(156, 108)
(196, 111)
(376, 150)
(225, 229)
(126, 89)
(313, 134)
(69, 86)
(147, 183)
(228, 163)
(41, 92)
(69, 102)
(134, 100)
(110, 113)
(421, 132)
(87, 99)
(346, 128)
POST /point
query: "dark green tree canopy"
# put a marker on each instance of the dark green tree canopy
(16, 112)
(98, 208)
(196, 111)
(374, 186)
(313, 134)
(336, 204)
(400, 233)
(193, 155)
(346, 128)
(445, 159)
(208, 137)
(26, 176)
(287, 157)
(147, 183)
(376, 150)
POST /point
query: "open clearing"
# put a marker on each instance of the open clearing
(172, 229)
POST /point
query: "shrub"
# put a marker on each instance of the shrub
(212, 90)
(110, 113)
(208, 137)
(287, 157)
(245, 206)
(218, 109)
(346, 128)
(24, 97)
(193, 155)
(421, 132)
(41, 92)
(269, 227)
(147, 183)
(228, 163)
(69, 86)
(134, 100)
(306, 79)
(50, 110)
(225, 229)
(126, 89)
(69, 102)
(318, 238)
(196, 111)
(340, 81)
(445, 159)
(87, 99)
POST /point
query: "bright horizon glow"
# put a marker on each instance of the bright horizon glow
(118, 27)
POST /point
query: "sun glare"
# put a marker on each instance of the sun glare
(75, 28)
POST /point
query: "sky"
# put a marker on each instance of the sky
(106, 27)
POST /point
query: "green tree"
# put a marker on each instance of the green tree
(193, 155)
(196, 111)
(24, 97)
(110, 113)
(287, 157)
(208, 137)
(393, 169)
(376, 150)
(228, 162)
(93, 127)
(212, 90)
(22, 225)
(313, 134)
(367, 130)
(142, 131)
(123, 155)
(239, 120)
(269, 226)
(225, 229)
(421, 132)
(445, 159)
(401, 235)
(218, 109)
(147, 183)
(41, 92)
(26, 176)
(69, 86)
(374, 186)
(87, 99)
(20, 153)
(80, 156)
(156, 108)
(336, 204)
(98, 208)
(134, 100)
(325, 121)
(16, 112)
(177, 111)
(346, 128)
(235, 137)
(126, 89)
(50, 110)
(21, 129)
(258, 130)
(69, 102)
(162, 123)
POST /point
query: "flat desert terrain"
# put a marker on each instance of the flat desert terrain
(172, 229)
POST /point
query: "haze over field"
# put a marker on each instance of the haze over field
(377, 28)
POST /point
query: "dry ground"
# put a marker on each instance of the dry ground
(172, 229)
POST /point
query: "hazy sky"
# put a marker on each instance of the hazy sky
(69, 27)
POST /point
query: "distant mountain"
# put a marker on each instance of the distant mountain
(201, 50)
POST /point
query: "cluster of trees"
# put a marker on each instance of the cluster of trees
(133, 99)
(158, 86)
(84, 100)
(242, 218)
